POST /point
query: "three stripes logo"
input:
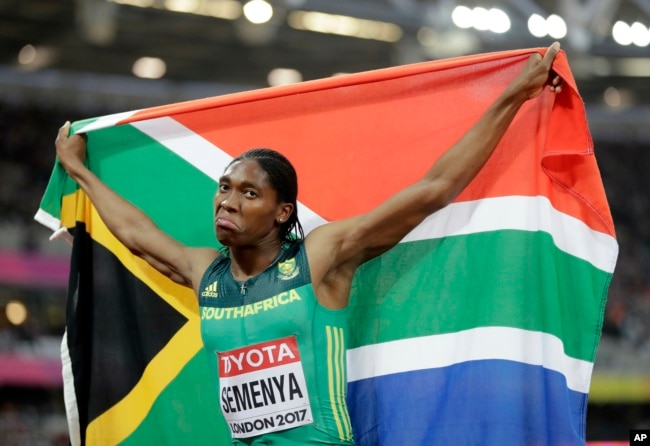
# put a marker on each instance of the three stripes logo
(210, 290)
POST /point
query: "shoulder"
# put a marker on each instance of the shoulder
(333, 246)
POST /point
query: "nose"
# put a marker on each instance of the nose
(226, 202)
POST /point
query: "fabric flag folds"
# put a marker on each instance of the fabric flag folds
(480, 327)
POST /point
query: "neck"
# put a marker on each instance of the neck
(249, 262)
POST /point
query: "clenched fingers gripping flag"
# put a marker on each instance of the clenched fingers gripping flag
(480, 327)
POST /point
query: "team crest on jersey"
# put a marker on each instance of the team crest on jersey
(288, 269)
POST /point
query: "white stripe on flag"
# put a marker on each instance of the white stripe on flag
(483, 343)
(523, 213)
(47, 220)
(106, 121)
(69, 394)
(205, 156)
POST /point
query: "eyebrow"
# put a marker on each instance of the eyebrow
(244, 184)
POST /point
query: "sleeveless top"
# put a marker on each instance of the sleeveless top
(278, 357)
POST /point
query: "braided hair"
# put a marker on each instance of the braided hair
(284, 180)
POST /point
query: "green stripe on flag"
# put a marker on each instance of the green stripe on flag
(188, 396)
(60, 184)
(172, 192)
(500, 287)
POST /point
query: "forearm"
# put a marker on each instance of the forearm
(462, 162)
(356, 240)
(120, 216)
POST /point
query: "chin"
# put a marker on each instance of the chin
(223, 239)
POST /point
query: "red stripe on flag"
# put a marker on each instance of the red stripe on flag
(360, 138)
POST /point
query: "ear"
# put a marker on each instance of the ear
(284, 212)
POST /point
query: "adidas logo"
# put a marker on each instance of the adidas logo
(210, 291)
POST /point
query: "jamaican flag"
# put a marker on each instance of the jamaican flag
(480, 327)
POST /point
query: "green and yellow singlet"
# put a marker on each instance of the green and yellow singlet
(278, 356)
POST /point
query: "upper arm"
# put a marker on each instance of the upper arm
(336, 250)
(353, 241)
(182, 264)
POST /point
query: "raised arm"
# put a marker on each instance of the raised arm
(337, 249)
(132, 227)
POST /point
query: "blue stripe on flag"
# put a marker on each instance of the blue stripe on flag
(494, 402)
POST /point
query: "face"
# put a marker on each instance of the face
(247, 211)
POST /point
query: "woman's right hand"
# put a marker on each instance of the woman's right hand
(537, 74)
(71, 150)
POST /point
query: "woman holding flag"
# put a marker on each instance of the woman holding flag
(272, 302)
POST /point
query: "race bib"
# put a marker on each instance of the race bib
(263, 389)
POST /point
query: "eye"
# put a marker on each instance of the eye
(223, 187)
(248, 193)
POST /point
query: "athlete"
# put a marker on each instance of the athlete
(273, 302)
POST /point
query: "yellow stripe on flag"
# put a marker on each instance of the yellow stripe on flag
(77, 207)
(121, 420)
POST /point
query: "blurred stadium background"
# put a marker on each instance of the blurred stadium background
(73, 59)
